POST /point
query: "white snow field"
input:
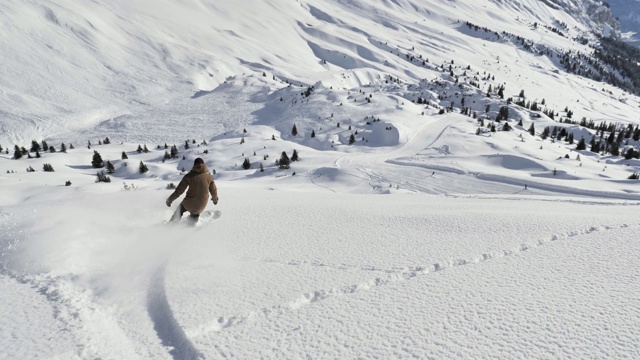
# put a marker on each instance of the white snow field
(425, 235)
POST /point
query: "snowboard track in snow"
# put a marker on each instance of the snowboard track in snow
(164, 322)
(393, 275)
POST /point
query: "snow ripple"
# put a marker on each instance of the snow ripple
(394, 275)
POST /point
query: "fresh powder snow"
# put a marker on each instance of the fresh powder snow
(406, 229)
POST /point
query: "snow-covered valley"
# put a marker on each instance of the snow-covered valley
(416, 222)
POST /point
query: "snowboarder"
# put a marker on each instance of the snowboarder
(200, 184)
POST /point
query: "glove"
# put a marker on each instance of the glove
(215, 201)
(168, 203)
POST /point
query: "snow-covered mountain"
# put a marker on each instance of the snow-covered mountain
(466, 181)
(71, 68)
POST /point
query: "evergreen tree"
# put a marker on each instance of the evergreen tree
(71, 147)
(37, 154)
(166, 155)
(144, 149)
(532, 130)
(97, 162)
(352, 139)
(261, 168)
(101, 177)
(545, 133)
(45, 147)
(107, 141)
(246, 164)
(124, 156)
(139, 149)
(294, 130)
(313, 133)
(294, 156)
(17, 153)
(34, 146)
(186, 144)
(63, 148)
(284, 161)
(110, 168)
(52, 149)
(143, 168)
(47, 168)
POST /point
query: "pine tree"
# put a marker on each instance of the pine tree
(284, 161)
(17, 153)
(47, 168)
(45, 147)
(313, 133)
(107, 141)
(52, 149)
(124, 156)
(110, 168)
(63, 148)
(174, 152)
(352, 139)
(532, 130)
(246, 164)
(143, 168)
(294, 156)
(97, 162)
(101, 177)
(34, 146)
(261, 168)
(294, 130)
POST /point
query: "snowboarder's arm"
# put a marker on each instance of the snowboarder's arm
(182, 186)
(213, 190)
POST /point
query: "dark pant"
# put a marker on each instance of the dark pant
(177, 216)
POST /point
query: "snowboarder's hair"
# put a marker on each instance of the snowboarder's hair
(198, 161)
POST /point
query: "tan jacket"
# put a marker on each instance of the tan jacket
(200, 184)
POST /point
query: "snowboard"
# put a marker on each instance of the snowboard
(205, 217)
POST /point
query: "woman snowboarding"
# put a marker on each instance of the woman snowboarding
(200, 184)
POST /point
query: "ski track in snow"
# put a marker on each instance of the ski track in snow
(393, 275)
(164, 322)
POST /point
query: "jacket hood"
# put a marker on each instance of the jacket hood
(200, 168)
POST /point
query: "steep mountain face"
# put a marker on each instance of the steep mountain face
(593, 13)
(70, 67)
(628, 13)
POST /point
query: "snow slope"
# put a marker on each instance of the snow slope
(429, 236)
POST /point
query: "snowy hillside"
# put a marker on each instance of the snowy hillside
(466, 183)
